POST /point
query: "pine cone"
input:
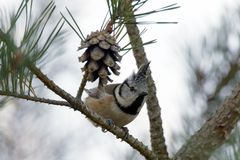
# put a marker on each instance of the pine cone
(100, 56)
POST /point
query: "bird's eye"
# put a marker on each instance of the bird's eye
(132, 89)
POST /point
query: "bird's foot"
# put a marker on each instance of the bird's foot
(125, 129)
(110, 123)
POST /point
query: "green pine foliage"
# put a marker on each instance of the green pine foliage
(17, 52)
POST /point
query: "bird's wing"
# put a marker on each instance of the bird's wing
(96, 93)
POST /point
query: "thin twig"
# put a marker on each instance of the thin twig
(234, 68)
(35, 99)
(82, 85)
(77, 104)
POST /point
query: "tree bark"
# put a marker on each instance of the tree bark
(214, 132)
(154, 111)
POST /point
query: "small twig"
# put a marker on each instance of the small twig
(234, 68)
(109, 27)
(101, 86)
(82, 85)
(2, 34)
(35, 99)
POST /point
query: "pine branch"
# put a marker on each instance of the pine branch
(215, 130)
(80, 106)
(153, 107)
(234, 68)
(14, 76)
(34, 99)
(82, 85)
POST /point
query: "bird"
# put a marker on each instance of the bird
(120, 103)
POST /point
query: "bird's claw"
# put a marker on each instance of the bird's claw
(110, 123)
(125, 129)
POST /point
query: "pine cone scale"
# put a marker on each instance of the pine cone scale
(100, 56)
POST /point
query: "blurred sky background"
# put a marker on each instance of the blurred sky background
(80, 140)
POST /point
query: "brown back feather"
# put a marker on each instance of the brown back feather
(109, 88)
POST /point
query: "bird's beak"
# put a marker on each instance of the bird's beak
(144, 94)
